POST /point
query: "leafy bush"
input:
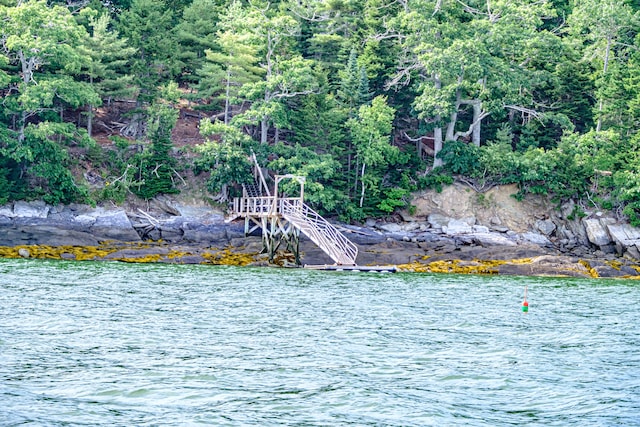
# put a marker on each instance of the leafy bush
(460, 158)
(436, 179)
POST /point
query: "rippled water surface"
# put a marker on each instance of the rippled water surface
(122, 344)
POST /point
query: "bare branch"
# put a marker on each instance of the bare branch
(527, 113)
(471, 126)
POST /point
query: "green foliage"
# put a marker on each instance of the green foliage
(394, 198)
(460, 158)
(506, 78)
(320, 171)
(47, 164)
(148, 26)
(354, 85)
(436, 180)
(156, 165)
(227, 164)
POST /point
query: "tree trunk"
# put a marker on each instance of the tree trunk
(89, 113)
(477, 121)
(90, 120)
(264, 127)
(604, 72)
(226, 98)
(437, 132)
(362, 183)
(437, 144)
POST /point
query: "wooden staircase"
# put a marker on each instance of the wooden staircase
(327, 237)
(276, 216)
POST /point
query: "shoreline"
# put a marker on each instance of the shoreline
(246, 256)
(171, 232)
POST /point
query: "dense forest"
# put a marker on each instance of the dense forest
(371, 100)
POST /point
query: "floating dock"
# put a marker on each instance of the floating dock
(355, 268)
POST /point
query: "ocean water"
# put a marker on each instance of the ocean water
(99, 343)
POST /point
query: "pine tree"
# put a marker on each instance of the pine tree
(109, 55)
(157, 166)
(148, 25)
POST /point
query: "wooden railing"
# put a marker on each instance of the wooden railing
(262, 206)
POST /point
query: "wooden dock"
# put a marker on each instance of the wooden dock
(355, 268)
(283, 218)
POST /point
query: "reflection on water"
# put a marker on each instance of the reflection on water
(121, 344)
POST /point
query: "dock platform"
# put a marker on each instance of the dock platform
(355, 268)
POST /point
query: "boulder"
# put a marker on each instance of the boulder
(438, 221)
(480, 229)
(455, 226)
(492, 239)
(114, 225)
(546, 227)
(596, 232)
(391, 227)
(7, 211)
(536, 238)
(624, 236)
(37, 209)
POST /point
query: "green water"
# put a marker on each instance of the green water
(123, 344)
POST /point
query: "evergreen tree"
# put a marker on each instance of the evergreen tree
(106, 71)
(354, 85)
(196, 33)
(157, 164)
(148, 26)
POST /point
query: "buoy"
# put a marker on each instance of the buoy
(525, 304)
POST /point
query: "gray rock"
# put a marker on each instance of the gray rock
(536, 238)
(492, 239)
(370, 222)
(455, 227)
(480, 229)
(624, 233)
(37, 209)
(632, 252)
(390, 227)
(596, 232)
(438, 221)
(24, 253)
(546, 227)
(84, 220)
(7, 211)
(206, 235)
(411, 226)
(625, 237)
(114, 225)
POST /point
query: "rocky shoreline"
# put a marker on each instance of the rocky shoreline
(171, 232)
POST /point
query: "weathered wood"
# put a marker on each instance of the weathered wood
(283, 218)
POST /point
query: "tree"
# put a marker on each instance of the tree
(463, 57)
(354, 83)
(196, 33)
(148, 26)
(234, 61)
(109, 55)
(371, 131)
(157, 165)
(226, 160)
(45, 44)
(285, 76)
(602, 25)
